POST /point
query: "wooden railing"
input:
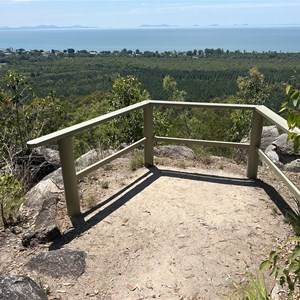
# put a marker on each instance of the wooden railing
(63, 138)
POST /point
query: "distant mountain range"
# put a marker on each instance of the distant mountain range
(54, 27)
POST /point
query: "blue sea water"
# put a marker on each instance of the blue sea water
(155, 39)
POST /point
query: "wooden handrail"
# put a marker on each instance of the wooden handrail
(63, 138)
(72, 130)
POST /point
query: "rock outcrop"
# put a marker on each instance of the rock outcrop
(41, 202)
(174, 151)
(34, 165)
(281, 152)
(44, 229)
(277, 148)
(269, 135)
(20, 288)
(59, 263)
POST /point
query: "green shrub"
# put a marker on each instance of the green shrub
(11, 197)
(137, 161)
(287, 270)
(254, 289)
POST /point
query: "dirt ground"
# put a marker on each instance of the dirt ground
(180, 230)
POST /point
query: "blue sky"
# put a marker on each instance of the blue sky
(133, 13)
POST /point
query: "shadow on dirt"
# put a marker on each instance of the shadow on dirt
(117, 200)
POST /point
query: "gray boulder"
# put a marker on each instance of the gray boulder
(45, 228)
(174, 152)
(285, 149)
(273, 155)
(90, 158)
(20, 288)
(283, 146)
(293, 166)
(34, 165)
(41, 202)
(59, 263)
(269, 135)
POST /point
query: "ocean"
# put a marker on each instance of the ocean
(283, 39)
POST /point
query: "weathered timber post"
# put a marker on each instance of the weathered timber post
(66, 154)
(255, 139)
(148, 132)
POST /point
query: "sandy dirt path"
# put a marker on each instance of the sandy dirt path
(175, 234)
(181, 230)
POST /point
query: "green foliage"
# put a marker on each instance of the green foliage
(292, 109)
(24, 116)
(104, 184)
(202, 77)
(171, 90)
(288, 270)
(127, 91)
(294, 218)
(137, 161)
(252, 90)
(11, 197)
(87, 108)
(255, 289)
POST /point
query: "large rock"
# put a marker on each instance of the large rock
(174, 152)
(59, 263)
(90, 158)
(20, 288)
(34, 165)
(283, 145)
(44, 229)
(269, 135)
(40, 204)
(285, 149)
(293, 166)
(273, 155)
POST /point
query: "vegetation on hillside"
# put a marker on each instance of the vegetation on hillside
(203, 74)
(88, 85)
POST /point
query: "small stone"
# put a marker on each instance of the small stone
(130, 287)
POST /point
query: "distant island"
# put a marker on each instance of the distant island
(45, 27)
(157, 26)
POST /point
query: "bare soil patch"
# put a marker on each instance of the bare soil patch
(180, 230)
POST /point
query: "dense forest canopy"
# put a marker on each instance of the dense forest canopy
(203, 74)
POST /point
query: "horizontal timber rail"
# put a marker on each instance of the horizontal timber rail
(202, 142)
(63, 138)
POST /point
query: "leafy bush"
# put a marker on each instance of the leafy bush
(137, 161)
(292, 108)
(288, 269)
(11, 197)
(255, 289)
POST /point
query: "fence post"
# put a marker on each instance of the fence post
(148, 132)
(66, 154)
(255, 139)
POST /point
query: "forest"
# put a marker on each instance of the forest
(204, 74)
(55, 89)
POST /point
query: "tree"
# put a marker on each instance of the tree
(178, 117)
(171, 90)
(252, 90)
(24, 116)
(127, 91)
